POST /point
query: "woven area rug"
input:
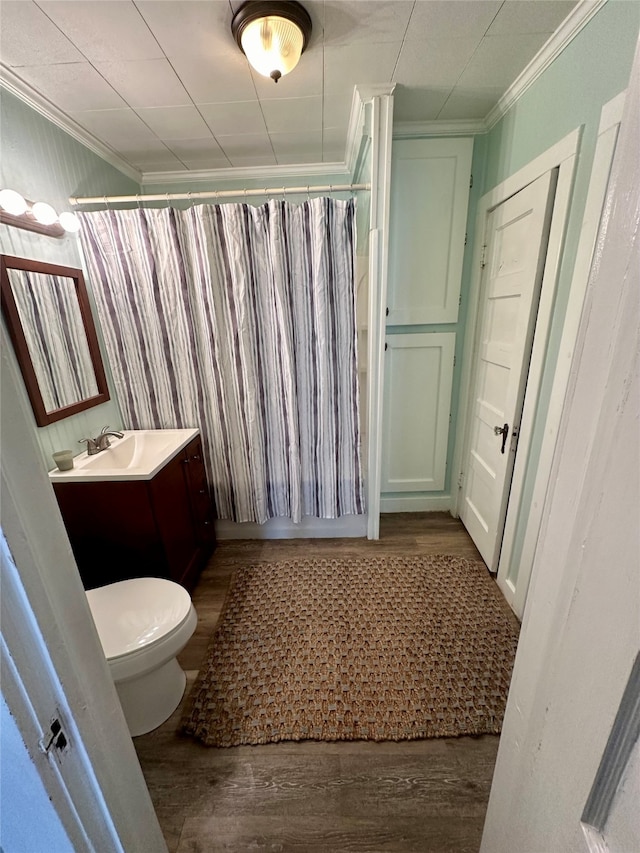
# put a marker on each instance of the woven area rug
(391, 648)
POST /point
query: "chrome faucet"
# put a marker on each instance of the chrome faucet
(101, 442)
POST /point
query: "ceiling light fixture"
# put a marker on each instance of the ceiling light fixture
(272, 35)
(36, 216)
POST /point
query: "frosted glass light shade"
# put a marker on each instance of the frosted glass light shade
(69, 221)
(12, 202)
(44, 213)
(273, 45)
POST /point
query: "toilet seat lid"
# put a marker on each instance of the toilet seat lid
(133, 614)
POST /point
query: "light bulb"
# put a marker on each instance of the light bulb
(44, 213)
(12, 202)
(69, 221)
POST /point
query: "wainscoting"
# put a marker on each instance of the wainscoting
(428, 796)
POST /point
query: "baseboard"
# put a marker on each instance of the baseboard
(416, 503)
(347, 527)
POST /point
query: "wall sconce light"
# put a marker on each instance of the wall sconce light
(272, 35)
(35, 216)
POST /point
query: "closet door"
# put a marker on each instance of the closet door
(418, 378)
(429, 198)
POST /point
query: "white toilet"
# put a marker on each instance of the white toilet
(143, 624)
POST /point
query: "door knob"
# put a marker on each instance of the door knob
(504, 432)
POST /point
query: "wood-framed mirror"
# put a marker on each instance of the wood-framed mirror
(49, 320)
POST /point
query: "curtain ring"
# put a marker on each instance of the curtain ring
(308, 193)
(106, 203)
(138, 201)
(167, 198)
(189, 200)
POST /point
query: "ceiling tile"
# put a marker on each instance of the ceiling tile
(185, 28)
(337, 108)
(305, 80)
(215, 80)
(293, 114)
(334, 142)
(150, 163)
(73, 86)
(145, 82)
(239, 161)
(499, 59)
(115, 126)
(197, 149)
(349, 65)
(366, 22)
(530, 16)
(245, 145)
(297, 147)
(413, 104)
(463, 104)
(233, 117)
(27, 36)
(102, 30)
(175, 122)
(434, 64)
(445, 19)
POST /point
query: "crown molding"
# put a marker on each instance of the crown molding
(575, 21)
(244, 173)
(21, 90)
(455, 127)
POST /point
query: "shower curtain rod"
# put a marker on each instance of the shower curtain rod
(193, 196)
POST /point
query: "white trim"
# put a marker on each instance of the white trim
(28, 95)
(349, 526)
(244, 173)
(611, 117)
(421, 129)
(575, 21)
(69, 654)
(381, 143)
(550, 159)
(563, 156)
(548, 289)
(416, 503)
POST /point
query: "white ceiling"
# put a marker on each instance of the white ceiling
(163, 84)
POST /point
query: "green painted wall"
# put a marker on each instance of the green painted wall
(591, 70)
(45, 164)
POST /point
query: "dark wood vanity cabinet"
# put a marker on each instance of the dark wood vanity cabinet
(161, 527)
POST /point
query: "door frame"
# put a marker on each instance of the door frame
(563, 157)
(52, 655)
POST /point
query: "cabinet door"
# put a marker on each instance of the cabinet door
(171, 507)
(429, 199)
(199, 496)
(417, 389)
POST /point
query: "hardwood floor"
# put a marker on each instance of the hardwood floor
(420, 796)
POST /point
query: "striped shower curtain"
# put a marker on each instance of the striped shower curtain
(239, 321)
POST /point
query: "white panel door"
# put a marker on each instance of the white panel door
(517, 233)
(417, 404)
(429, 199)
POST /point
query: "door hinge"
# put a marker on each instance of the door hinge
(54, 739)
(471, 181)
(460, 479)
(386, 346)
(466, 238)
(454, 364)
(483, 259)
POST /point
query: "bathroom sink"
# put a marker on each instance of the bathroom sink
(138, 455)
